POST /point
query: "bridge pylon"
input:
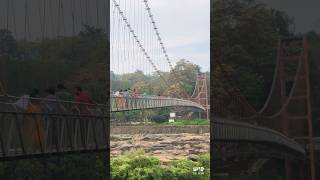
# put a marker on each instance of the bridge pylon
(288, 107)
(200, 94)
(296, 125)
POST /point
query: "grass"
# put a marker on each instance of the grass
(183, 122)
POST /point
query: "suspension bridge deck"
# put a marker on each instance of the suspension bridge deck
(64, 127)
(230, 131)
(138, 103)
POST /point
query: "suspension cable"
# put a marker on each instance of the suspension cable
(144, 52)
(148, 9)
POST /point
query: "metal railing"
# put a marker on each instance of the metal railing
(148, 102)
(234, 131)
(43, 126)
(39, 126)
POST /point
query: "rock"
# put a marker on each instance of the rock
(152, 138)
(164, 146)
(160, 147)
(187, 146)
(125, 147)
(193, 157)
(157, 152)
(194, 151)
(120, 137)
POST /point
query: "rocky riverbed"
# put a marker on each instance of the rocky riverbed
(164, 146)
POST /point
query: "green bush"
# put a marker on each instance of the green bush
(135, 165)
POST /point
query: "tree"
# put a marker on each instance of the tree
(182, 78)
(245, 38)
(8, 45)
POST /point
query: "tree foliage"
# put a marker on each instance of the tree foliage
(245, 40)
(179, 80)
(78, 60)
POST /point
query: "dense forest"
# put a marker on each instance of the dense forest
(246, 36)
(78, 60)
(181, 79)
(81, 60)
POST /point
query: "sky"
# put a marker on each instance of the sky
(306, 13)
(33, 19)
(185, 26)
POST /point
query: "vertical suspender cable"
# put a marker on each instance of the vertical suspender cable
(144, 52)
(25, 28)
(81, 11)
(73, 28)
(97, 11)
(8, 12)
(14, 17)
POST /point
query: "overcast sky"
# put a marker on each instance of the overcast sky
(185, 29)
(306, 13)
(48, 18)
(183, 24)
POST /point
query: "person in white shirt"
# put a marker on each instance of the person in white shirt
(24, 102)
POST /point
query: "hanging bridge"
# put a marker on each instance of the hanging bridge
(286, 115)
(45, 127)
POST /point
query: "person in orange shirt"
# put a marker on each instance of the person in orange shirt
(119, 99)
(33, 124)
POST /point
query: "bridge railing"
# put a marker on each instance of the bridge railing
(38, 126)
(42, 126)
(20, 104)
(234, 131)
(134, 103)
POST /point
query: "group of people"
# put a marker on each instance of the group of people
(127, 93)
(49, 101)
(122, 95)
(33, 125)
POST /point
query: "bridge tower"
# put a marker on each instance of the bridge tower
(295, 124)
(200, 94)
(290, 97)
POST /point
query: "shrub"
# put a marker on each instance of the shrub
(136, 165)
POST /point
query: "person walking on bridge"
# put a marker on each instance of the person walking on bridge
(84, 100)
(120, 99)
(63, 94)
(33, 125)
(135, 93)
(51, 100)
(24, 102)
(126, 98)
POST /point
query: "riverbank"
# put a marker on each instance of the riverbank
(164, 146)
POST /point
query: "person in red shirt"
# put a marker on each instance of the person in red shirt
(84, 100)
